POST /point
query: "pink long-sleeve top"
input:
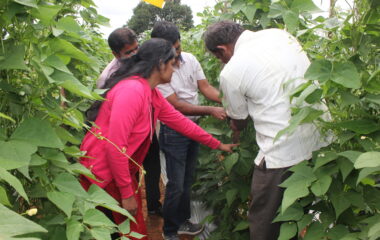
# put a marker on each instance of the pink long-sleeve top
(125, 118)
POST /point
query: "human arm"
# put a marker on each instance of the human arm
(195, 110)
(177, 121)
(209, 91)
(126, 105)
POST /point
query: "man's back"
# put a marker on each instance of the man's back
(266, 66)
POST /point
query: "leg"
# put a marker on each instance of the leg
(266, 199)
(175, 148)
(191, 161)
(152, 176)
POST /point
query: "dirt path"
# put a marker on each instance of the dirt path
(154, 223)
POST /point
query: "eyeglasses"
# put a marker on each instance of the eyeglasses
(129, 52)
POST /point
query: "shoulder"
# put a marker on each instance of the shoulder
(132, 86)
(188, 57)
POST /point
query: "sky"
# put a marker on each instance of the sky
(120, 11)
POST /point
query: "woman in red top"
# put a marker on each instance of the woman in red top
(125, 123)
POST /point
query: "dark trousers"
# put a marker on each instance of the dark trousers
(181, 154)
(152, 167)
(266, 199)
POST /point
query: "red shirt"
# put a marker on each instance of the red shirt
(125, 118)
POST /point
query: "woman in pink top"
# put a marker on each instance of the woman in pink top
(125, 122)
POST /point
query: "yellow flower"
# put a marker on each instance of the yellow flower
(32, 211)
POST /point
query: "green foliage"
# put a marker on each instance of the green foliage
(145, 15)
(50, 56)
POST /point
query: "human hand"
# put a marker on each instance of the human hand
(218, 113)
(130, 204)
(227, 147)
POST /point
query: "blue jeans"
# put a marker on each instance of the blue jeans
(181, 154)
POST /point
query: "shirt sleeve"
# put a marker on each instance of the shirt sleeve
(126, 106)
(165, 89)
(234, 100)
(177, 121)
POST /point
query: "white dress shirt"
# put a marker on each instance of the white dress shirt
(184, 82)
(266, 66)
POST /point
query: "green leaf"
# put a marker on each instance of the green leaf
(305, 115)
(68, 24)
(125, 227)
(275, 10)
(351, 155)
(293, 213)
(374, 231)
(368, 160)
(63, 201)
(231, 195)
(136, 235)
(14, 182)
(366, 172)
(40, 131)
(98, 195)
(36, 160)
(46, 13)
(291, 20)
(345, 167)
(68, 183)
(237, 5)
(29, 3)
(15, 154)
(241, 226)
(361, 126)
(340, 202)
(348, 99)
(79, 89)
(100, 233)
(346, 75)
(319, 70)
(321, 186)
(324, 158)
(230, 161)
(249, 11)
(94, 217)
(64, 47)
(287, 230)
(373, 98)
(4, 197)
(13, 58)
(305, 6)
(13, 224)
(292, 193)
(73, 229)
(57, 63)
(337, 232)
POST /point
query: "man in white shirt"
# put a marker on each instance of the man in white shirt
(181, 152)
(258, 64)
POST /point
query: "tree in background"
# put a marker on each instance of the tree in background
(145, 15)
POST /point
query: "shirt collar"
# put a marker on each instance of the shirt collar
(244, 37)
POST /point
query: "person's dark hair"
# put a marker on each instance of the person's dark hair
(151, 54)
(121, 36)
(166, 30)
(222, 33)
